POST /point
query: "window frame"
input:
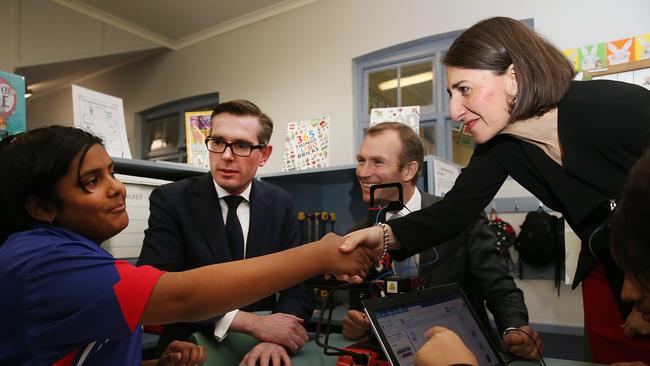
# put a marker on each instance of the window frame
(177, 107)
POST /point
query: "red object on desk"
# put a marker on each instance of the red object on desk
(375, 356)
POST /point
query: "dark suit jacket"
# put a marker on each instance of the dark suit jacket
(186, 230)
(472, 260)
(603, 128)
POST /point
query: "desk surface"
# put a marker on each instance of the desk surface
(235, 346)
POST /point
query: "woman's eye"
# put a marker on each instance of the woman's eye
(463, 90)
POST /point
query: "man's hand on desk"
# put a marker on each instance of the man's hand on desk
(521, 345)
(635, 325)
(283, 329)
(266, 353)
(355, 325)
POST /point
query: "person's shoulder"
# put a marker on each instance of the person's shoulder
(603, 91)
(181, 185)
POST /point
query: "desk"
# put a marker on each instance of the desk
(235, 346)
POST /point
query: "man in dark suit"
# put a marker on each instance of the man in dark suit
(392, 153)
(226, 215)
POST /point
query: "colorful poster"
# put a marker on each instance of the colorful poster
(197, 128)
(592, 57)
(102, 115)
(642, 47)
(408, 115)
(307, 145)
(573, 56)
(620, 51)
(12, 104)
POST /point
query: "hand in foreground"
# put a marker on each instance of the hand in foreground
(455, 352)
(635, 325)
(282, 329)
(349, 266)
(355, 325)
(520, 345)
(265, 354)
(182, 353)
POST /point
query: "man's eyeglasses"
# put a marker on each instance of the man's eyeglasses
(238, 148)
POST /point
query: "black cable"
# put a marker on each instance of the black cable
(541, 358)
(358, 358)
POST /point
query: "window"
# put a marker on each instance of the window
(412, 74)
(162, 128)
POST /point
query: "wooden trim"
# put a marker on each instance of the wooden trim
(615, 69)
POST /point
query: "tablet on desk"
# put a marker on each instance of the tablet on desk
(400, 322)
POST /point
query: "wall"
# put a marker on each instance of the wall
(297, 65)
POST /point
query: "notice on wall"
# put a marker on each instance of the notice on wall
(307, 145)
(12, 104)
(197, 128)
(410, 116)
(102, 115)
(444, 176)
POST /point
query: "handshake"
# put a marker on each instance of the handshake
(350, 257)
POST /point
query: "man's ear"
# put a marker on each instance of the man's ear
(409, 171)
(266, 154)
(40, 210)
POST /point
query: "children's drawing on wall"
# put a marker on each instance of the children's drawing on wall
(102, 115)
(620, 51)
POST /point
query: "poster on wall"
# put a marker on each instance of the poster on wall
(197, 128)
(12, 104)
(102, 115)
(408, 115)
(307, 145)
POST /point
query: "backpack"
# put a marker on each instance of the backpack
(541, 242)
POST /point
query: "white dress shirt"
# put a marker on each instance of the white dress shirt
(244, 215)
(413, 204)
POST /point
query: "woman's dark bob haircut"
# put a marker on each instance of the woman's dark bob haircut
(542, 71)
(31, 164)
(630, 232)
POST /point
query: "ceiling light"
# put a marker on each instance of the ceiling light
(409, 80)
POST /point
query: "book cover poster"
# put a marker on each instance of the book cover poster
(12, 104)
(592, 57)
(642, 47)
(197, 128)
(103, 115)
(574, 56)
(408, 115)
(620, 51)
(307, 145)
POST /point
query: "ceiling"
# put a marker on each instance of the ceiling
(171, 24)
(176, 24)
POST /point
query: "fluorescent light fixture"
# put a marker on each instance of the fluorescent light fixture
(409, 80)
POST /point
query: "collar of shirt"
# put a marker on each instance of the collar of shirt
(413, 204)
(221, 192)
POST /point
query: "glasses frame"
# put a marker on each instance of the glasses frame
(232, 150)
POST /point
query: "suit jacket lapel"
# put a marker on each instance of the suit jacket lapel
(206, 207)
(260, 207)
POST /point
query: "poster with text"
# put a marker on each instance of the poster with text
(12, 104)
(102, 115)
(408, 115)
(197, 128)
(307, 145)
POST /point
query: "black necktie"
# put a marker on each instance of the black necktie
(233, 228)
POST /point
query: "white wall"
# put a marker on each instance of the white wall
(298, 65)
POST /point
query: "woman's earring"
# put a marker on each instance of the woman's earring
(51, 220)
